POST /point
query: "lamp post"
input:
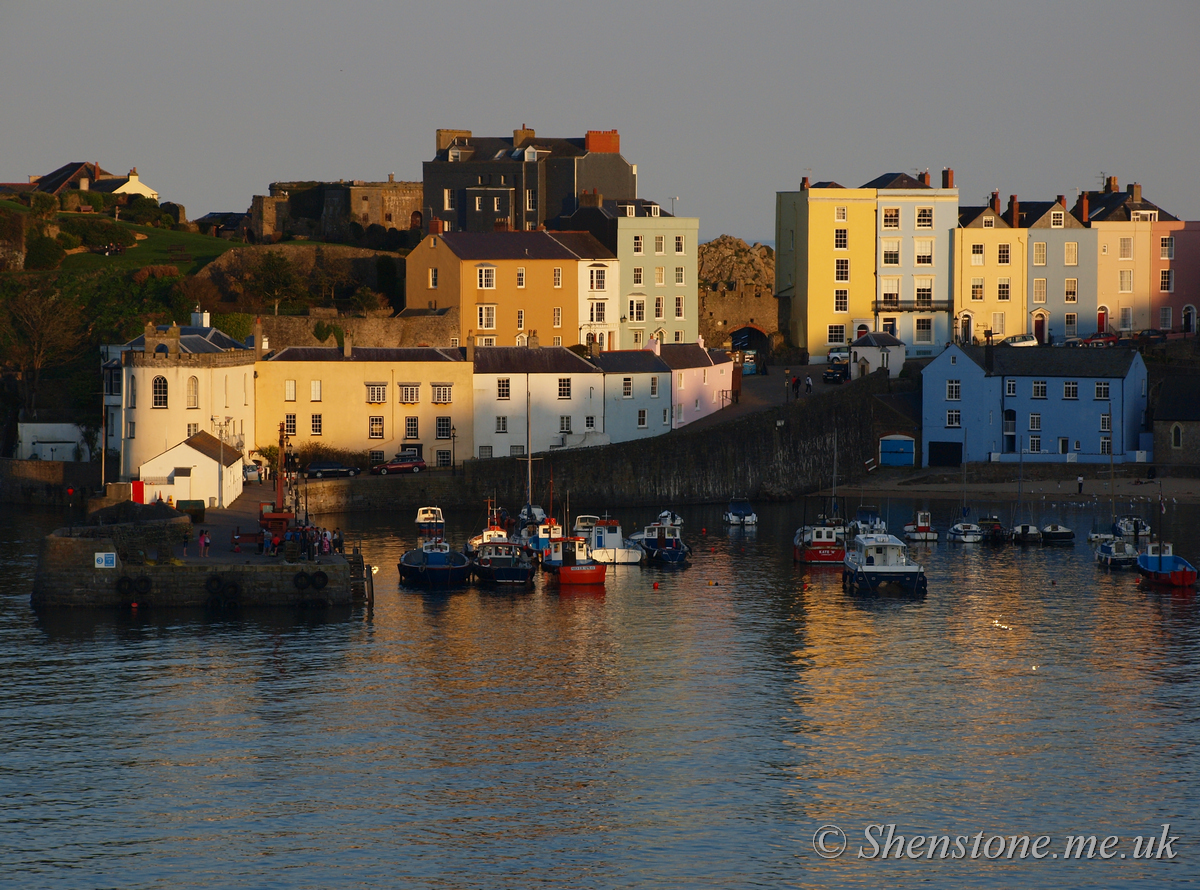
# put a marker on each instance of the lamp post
(453, 451)
(787, 382)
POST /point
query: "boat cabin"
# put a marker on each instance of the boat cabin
(569, 551)
(824, 534)
(881, 550)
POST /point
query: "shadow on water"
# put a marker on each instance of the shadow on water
(80, 625)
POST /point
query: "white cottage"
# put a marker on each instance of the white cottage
(637, 394)
(201, 468)
(875, 350)
(701, 379)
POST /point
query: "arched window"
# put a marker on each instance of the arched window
(193, 393)
(1177, 436)
(160, 392)
(132, 392)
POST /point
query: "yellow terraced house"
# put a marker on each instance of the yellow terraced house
(379, 400)
(990, 263)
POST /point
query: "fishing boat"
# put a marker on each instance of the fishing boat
(434, 565)
(867, 521)
(1026, 533)
(1116, 553)
(430, 523)
(880, 564)
(921, 528)
(663, 541)
(993, 529)
(739, 512)
(1131, 526)
(965, 533)
(1159, 564)
(502, 562)
(570, 561)
(821, 543)
(495, 530)
(1055, 533)
(607, 540)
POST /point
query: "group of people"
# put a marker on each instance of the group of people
(796, 386)
(203, 542)
(313, 541)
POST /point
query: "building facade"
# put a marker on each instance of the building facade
(1061, 272)
(701, 379)
(1174, 275)
(481, 183)
(637, 394)
(369, 399)
(990, 252)
(1040, 405)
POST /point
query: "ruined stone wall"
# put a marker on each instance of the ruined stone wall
(726, 308)
(45, 482)
(281, 331)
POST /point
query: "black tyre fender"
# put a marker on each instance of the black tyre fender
(213, 584)
(319, 580)
(301, 580)
(142, 585)
(124, 585)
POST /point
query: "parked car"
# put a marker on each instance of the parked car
(1100, 338)
(251, 473)
(1150, 337)
(836, 372)
(401, 463)
(1070, 341)
(839, 354)
(1020, 340)
(320, 468)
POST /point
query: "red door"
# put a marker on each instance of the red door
(1039, 328)
(1102, 320)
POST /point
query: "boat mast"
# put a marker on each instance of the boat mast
(834, 510)
(528, 449)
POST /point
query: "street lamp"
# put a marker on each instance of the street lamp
(787, 381)
(453, 455)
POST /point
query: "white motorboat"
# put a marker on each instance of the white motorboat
(965, 533)
(739, 512)
(921, 528)
(880, 564)
(607, 540)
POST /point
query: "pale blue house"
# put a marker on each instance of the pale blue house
(1038, 404)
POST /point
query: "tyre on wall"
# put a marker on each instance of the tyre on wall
(142, 585)
(231, 595)
(124, 585)
(301, 580)
(213, 584)
(319, 580)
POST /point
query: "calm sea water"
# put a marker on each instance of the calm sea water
(689, 735)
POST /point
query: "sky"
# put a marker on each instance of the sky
(719, 104)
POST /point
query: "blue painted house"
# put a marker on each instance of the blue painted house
(1040, 404)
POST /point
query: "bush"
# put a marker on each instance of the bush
(43, 253)
(43, 205)
(238, 325)
(141, 276)
(144, 211)
(68, 241)
(97, 232)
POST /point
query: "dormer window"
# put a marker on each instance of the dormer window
(455, 154)
(629, 210)
(1144, 216)
(1057, 218)
(989, 222)
(653, 209)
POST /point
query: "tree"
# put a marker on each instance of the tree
(43, 205)
(39, 329)
(274, 280)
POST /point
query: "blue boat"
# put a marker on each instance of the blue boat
(500, 561)
(435, 566)
(663, 542)
(1160, 565)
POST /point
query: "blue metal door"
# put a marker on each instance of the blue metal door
(896, 451)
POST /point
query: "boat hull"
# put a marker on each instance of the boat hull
(494, 573)
(960, 535)
(920, 535)
(625, 556)
(666, 556)
(434, 577)
(1113, 558)
(1171, 571)
(593, 573)
(814, 555)
(879, 580)
(1063, 537)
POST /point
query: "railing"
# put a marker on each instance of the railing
(912, 305)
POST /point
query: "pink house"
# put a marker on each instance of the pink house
(1175, 275)
(700, 379)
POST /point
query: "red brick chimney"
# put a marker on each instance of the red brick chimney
(435, 225)
(1083, 209)
(924, 177)
(591, 199)
(1111, 186)
(996, 203)
(502, 224)
(1014, 211)
(948, 178)
(1062, 199)
(804, 184)
(602, 141)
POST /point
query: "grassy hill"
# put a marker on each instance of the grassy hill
(161, 247)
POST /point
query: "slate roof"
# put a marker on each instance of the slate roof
(1178, 399)
(616, 209)
(680, 356)
(827, 184)
(877, 338)
(108, 185)
(1115, 207)
(210, 446)
(584, 245)
(500, 148)
(507, 246)
(1050, 361)
(525, 360)
(194, 339)
(1033, 211)
(367, 354)
(894, 181)
(59, 179)
(630, 361)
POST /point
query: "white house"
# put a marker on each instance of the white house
(51, 441)
(599, 279)
(700, 379)
(201, 468)
(177, 381)
(564, 394)
(637, 394)
(875, 350)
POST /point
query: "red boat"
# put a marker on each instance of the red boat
(1160, 565)
(820, 543)
(570, 561)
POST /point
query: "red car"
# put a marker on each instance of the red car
(399, 464)
(1101, 339)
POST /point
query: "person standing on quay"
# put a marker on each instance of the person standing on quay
(1079, 482)
(808, 384)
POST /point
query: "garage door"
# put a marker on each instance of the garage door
(945, 454)
(896, 451)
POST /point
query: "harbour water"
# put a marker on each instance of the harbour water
(690, 735)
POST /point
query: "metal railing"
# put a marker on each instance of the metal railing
(912, 305)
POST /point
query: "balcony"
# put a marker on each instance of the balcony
(912, 306)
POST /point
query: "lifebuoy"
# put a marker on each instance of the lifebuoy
(319, 580)
(213, 584)
(125, 585)
(301, 580)
(486, 561)
(142, 584)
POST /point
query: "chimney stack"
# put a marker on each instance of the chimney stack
(1014, 211)
(948, 178)
(1135, 191)
(435, 225)
(258, 341)
(804, 184)
(989, 354)
(471, 347)
(924, 177)
(533, 342)
(996, 203)
(348, 345)
(522, 136)
(591, 199)
(1083, 209)
(1062, 199)
(173, 339)
(1111, 186)
(150, 335)
(593, 349)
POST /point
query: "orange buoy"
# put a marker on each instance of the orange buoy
(656, 585)
(704, 531)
